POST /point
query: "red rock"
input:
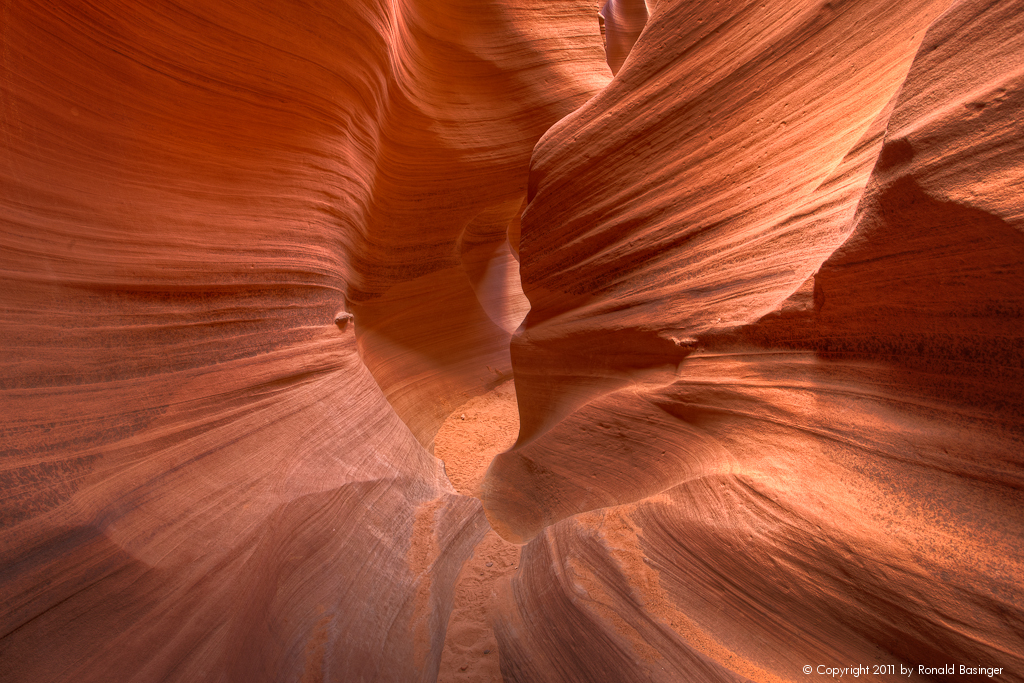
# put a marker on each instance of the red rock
(783, 332)
(622, 22)
(223, 226)
(769, 381)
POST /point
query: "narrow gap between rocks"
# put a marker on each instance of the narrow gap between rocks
(467, 442)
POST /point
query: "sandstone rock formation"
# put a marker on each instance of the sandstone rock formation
(790, 348)
(770, 381)
(251, 254)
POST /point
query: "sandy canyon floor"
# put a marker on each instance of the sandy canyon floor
(467, 442)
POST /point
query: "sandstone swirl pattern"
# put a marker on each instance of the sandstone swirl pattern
(770, 382)
(210, 471)
(776, 271)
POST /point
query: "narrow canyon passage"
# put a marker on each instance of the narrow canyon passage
(757, 270)
(467, 442)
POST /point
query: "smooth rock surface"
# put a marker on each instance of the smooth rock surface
(250, 255)
(770, 376)
(771, 380)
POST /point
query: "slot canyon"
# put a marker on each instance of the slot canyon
(546, 341)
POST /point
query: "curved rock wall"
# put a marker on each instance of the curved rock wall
(769, 381)
(210, 470)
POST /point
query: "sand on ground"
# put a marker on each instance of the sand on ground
(467, 442)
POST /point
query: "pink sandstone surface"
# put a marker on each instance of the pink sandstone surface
(757, 270)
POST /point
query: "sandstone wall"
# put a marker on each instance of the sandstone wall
(770, 379)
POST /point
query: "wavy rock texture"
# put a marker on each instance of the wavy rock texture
(622, 21)
(770, 383)
(210, 472)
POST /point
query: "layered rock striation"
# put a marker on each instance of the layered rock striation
(769, 380)
(251, 255)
